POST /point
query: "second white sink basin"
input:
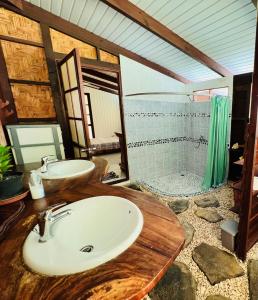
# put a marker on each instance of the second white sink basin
(97, 230)
(68, 168)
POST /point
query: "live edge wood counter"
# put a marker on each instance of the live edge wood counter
(131, 275)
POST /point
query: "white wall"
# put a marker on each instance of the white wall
(137, 78)
(106, 113)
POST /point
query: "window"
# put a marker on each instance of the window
(205, 95)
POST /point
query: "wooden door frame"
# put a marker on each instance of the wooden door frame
(243, 242)
(98, 65)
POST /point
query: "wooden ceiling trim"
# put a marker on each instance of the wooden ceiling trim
(100, 88)
(100, 74)
(57, 23)
(139, 16)
(100, 82)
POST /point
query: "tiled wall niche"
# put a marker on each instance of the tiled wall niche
(166, 137)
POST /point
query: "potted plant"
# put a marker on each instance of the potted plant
(10, 182)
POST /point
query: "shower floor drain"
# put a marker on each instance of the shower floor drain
(87, 249)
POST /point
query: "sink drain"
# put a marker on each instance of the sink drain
(87, 248)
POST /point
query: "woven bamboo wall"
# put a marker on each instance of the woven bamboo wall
(25, 62)
(14, 25)
(63, 43)
(33, 101)
(108, 57)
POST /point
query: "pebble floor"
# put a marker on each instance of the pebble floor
(235, 289)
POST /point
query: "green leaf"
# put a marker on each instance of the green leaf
(5, 160)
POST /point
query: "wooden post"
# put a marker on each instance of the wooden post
(55, 87)
(7, 107)
(244, 242)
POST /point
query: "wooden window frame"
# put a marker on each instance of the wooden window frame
(91, 124)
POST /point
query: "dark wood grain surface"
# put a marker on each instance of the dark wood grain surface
(129, 276)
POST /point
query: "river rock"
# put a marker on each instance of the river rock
(252, 269)
(207, 202)
(178, 283)
(209, 215)
(178, 206)
(189, 233)
(217, 297)
(216, 264)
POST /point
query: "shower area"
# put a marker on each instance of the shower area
(167, 144)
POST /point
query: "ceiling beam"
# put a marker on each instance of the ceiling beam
(38, 14)
(16, 3)
(139, 16)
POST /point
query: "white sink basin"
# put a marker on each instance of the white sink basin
(106, 226)
(68, 168)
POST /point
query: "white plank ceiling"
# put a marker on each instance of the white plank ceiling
(222, 29)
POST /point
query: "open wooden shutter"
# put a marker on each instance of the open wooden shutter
(72, 85)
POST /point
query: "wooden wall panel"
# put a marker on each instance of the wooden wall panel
(25, 62)
(108, 57)
(33, 101)
(63, 43)
(14, 25)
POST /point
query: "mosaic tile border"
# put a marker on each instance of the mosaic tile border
(199, 141)
(155, 114)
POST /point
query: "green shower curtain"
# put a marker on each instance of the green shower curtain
(216, 166)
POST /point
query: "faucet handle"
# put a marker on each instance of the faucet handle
(45, 158)
(50, 209)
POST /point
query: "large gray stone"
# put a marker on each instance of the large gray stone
(216, 264)
(209, 215)
(178, 206)
(252, 269)
(217, 297)
(211, 201)
(177, 284)
(189, 233)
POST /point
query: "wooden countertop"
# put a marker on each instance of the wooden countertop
(131, 275)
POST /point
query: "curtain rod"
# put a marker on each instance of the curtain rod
(169, 93)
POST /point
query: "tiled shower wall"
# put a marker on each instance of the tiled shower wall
(166, 137)
(198, 128)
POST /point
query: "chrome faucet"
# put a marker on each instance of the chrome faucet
(45, 161)
(46, 219)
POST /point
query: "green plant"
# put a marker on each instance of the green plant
(5, 161)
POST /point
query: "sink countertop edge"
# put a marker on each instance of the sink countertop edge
(134, 272)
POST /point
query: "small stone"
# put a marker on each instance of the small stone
(207, 202)
(178, 206)
(189, 233)
(209, 215)
(218, 265)
(217, 297)
(252, 269)
(178, 283)
(135, 186)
